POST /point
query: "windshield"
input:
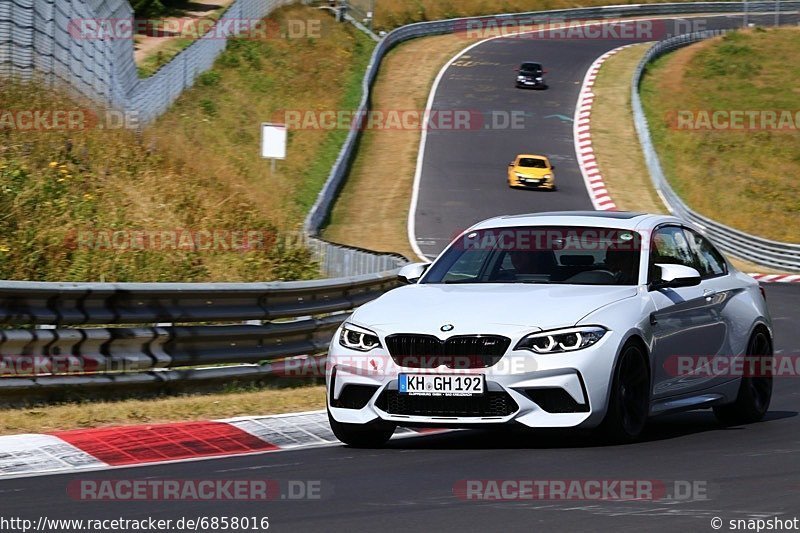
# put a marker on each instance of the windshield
(531, 68)
(541, 254)
(531, 162)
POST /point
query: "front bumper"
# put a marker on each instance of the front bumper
(531, 84)
(532, 183)
(551, 391)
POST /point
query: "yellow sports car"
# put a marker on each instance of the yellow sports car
(532, 171)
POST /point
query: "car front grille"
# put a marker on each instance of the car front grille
(462, 351)
(489, 404)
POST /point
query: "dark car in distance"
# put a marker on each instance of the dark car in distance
(530, 75)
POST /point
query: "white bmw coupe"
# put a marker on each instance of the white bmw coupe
(567, 319)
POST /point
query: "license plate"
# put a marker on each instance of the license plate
(440, 385)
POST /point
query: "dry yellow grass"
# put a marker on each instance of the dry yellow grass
(745, 179)
(616, 145)
(372, 208)
(372, 211)
(184, 408)
(393, 13)
(197, 168)
(213, 129)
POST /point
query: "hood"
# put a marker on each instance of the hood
(482, 308)
(534, 172)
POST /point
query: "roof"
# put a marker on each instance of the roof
(601, 219)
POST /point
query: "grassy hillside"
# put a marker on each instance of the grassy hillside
(743, 177)
(392, 13)
(198, 168)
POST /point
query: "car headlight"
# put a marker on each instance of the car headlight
(520, 78)
(520, 175)
(359, 339)
(561, 340)
(547, 176)
(539, 78)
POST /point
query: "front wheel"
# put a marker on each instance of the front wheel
(629, 402)
(372, 435)
(755, 392)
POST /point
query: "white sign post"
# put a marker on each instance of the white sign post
(273, 142)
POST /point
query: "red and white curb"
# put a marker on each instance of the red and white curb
(126, 446)
(592, 177)
(582, 134)
(776, 278)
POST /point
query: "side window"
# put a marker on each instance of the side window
(709, 260)
(669, 245)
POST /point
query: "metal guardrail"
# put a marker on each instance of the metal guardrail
(779, 255)
(319, 213)
(338, 260)
(284, 319)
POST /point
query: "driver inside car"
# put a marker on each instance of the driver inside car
(619, 263)
(533, 262)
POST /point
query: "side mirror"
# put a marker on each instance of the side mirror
(516, 70)
(674, 276)
(552, 167)
(411, 273)
(512, 164)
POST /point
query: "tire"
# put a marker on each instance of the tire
(755, 392)
(629, 400)
(372, 435)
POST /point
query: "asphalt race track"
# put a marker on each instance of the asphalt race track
(747, 472)
(463, 173)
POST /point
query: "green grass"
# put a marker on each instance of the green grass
(331, 146)
(150, 64)
(746, 178)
